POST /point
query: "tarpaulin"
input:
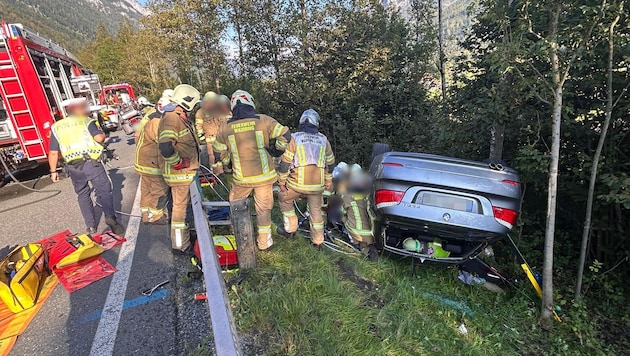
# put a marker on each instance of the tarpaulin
(108, 240)
(84, 273)
(14, 324)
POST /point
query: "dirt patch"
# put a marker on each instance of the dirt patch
(363, 284)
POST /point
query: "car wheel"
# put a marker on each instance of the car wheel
(379, 148)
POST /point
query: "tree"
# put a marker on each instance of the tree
(558, 47)
(610, 105)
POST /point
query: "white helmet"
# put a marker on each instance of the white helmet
(168, 93)
(242, 97)
(310, 116)
(356, 168)
(142, 101)
(186, 96)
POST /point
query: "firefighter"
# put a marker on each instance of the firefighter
(178, 147)
(203, 123)
(154, 191)
(305, 171)
(79, 139)
(358, 217)
(221, 115)
(244, 141)
(152, 112)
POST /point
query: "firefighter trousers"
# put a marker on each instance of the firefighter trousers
(180, 235)
(153, 197)
(263, 199)
(315, 201)
(92, 172)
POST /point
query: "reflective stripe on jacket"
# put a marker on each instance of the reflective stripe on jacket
(244, 142)
(75, 140)
(176, 130)
(148, 157)
(358, 215)
(309, 156)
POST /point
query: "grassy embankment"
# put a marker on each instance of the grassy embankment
(301, 301)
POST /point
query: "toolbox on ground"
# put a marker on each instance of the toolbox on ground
(225, 246)
(22, 274)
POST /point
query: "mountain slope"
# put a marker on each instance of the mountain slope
(70, 22)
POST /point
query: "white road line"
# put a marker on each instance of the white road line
(105, 337)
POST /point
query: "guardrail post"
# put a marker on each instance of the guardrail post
(223, 328)
(244, 233)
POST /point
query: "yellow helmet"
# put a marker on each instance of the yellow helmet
(242, 97)
(186, 96)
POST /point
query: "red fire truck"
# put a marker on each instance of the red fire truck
(36, 75)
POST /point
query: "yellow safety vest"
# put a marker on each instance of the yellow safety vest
(75, 140)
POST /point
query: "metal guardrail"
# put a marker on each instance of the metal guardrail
(225, 337)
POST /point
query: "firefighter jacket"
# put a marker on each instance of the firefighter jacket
(307, 163)
(176, 141)
(212, 126)
(202, 122)
(245, 143)
(358, 216)
(148, 158)
(150, 113)
(75, 140)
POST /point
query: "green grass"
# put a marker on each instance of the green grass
(303, 302)
(300, 301)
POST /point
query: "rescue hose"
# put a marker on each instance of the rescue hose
(54, 191)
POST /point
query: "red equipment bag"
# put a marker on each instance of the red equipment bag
(225, 246)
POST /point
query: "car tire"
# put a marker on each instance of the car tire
(379, 148)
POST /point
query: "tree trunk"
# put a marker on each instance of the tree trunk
(594, 167)
(552, 194)
(442, 58)
(497, 137)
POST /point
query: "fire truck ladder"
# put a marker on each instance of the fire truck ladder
(67, 88)
(18, 108)
(52, 82)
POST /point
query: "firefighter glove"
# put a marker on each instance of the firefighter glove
(183, 163)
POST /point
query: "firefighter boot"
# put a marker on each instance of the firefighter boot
(114, 225)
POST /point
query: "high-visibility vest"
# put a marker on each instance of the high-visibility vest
(310, 149)
(75, 140)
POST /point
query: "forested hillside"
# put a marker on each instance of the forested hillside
(542, 86)
(71, 23)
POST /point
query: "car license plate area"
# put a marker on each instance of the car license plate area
(448, 201)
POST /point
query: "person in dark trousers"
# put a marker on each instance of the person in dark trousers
(79, 140)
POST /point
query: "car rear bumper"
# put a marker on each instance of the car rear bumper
(442, 223)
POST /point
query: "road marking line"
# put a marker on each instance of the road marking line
(128, 304)
(105, 336)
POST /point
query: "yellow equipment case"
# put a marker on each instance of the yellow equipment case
(22, 274)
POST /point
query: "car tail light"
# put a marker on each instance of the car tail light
(384, 198)
(505, 217)
(391, 164)
(511, 182)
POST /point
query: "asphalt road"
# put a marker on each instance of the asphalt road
(168, 323)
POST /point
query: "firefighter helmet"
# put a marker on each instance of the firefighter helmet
(223, 99)
(209, 96)
(242, 97)
(142, 101)
(310, 116)
(186, 96)
(168, 93)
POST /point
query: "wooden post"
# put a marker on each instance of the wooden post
(244, 233)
